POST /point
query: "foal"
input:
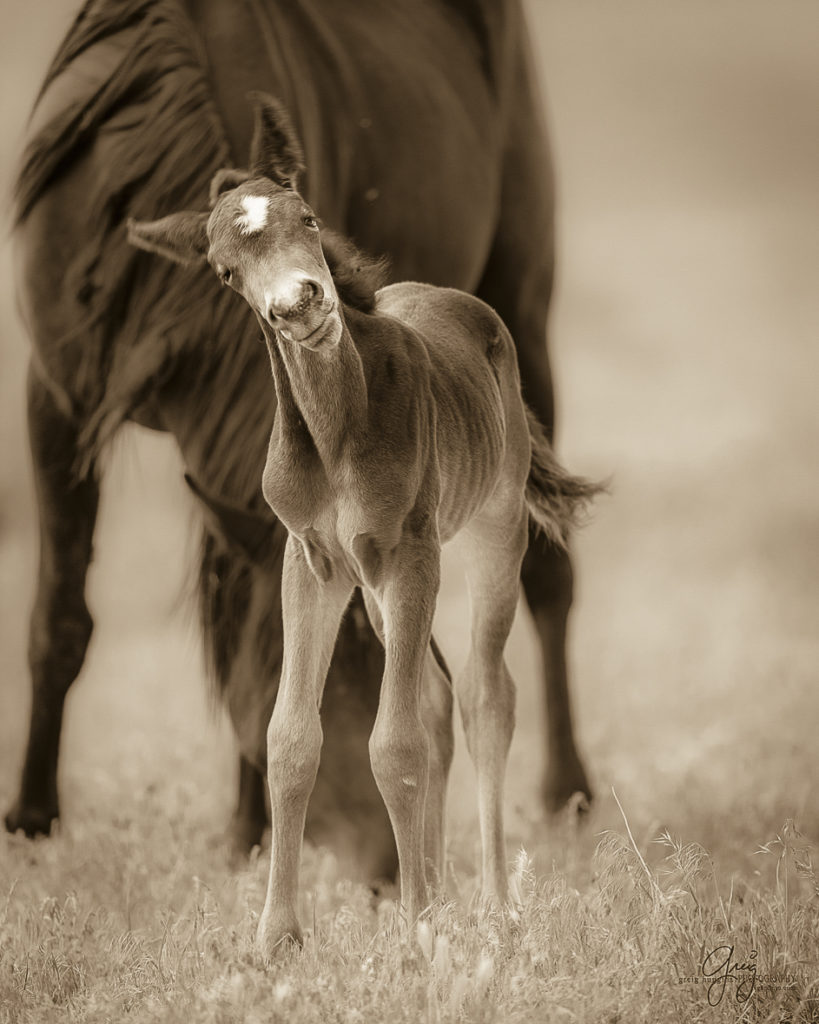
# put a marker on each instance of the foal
(399, 427)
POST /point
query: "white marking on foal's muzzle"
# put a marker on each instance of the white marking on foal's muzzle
(255, 216)
(287, 293)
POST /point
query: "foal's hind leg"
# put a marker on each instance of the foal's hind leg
(60, 622)
(486, 694)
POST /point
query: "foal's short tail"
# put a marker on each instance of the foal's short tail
(557, 500)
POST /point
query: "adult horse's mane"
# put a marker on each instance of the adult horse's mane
(127, 71)
(149, 46)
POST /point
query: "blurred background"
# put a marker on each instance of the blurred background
(684, 341)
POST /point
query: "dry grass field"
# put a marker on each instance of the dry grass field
(685, 347)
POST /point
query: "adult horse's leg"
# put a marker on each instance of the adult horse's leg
(60, 622)
(548, 583)
(250, 817)
(517, 282)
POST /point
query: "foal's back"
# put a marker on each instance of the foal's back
(482, 439)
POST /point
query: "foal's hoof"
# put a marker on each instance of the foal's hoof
(33, 821)
(277, 935)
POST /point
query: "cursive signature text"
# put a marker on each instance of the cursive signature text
(720, 967)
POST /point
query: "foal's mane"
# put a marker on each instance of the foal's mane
(356, 275)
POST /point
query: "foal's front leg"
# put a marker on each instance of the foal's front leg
(399, 746)
(311, 612)
(436, 715)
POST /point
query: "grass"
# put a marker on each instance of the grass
(99, 924)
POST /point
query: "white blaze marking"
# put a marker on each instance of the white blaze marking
(255, 216)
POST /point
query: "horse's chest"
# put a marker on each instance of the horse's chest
(347, 519)
(295, 485)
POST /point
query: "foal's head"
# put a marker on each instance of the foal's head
(264, 241)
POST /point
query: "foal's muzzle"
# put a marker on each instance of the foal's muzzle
(294, 301)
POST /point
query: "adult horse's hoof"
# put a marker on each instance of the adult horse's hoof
(242, 835)
(32, 821)
(567, 787)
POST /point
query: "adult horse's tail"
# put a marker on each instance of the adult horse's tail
(557, 500)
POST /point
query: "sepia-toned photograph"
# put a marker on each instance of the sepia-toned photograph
(409, 511)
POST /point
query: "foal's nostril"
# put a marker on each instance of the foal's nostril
(313, 291)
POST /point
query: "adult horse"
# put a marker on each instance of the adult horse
(423, 136)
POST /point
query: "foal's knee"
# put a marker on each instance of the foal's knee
(400, 763)
(293, 753)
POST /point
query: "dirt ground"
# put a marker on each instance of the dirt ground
(686, 140)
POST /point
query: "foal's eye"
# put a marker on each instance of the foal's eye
(310, 221)
(225, 276)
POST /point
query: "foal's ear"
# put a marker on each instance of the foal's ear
(275, 151)
(224, 181)
(181, 237)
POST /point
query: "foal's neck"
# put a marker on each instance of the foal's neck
(324, 391)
